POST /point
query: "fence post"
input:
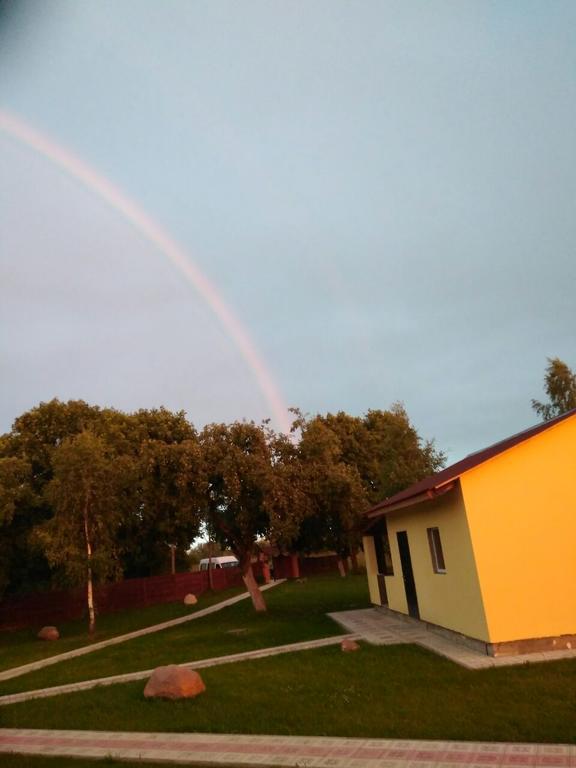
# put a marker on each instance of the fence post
(294, 566)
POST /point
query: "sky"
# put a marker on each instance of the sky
(232, 208)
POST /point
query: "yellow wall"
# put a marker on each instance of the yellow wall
(371, 569)
(521, 509)
(450, 599)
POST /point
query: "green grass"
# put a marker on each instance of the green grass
(22, 646)
(297, 611)
(376, 692)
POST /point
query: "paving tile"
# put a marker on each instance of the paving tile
(299, 752)
(379, 628)
(391, 764)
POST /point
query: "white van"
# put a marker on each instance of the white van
(228, 561)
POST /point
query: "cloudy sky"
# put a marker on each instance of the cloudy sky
(224, 206)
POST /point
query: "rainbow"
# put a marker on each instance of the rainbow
(79, 170)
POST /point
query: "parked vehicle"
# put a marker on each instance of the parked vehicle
(228, 561)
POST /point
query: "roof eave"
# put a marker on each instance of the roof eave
(428, 495)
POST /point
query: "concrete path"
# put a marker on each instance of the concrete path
(380, 628)
(41, 663)
(260, 653)
(295, 751)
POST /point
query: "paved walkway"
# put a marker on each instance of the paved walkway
(41, 663)
(260, 653)
(381, 628)
(296, 751)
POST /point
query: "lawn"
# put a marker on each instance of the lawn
(376, 692)
(22, 646)
(297, 611)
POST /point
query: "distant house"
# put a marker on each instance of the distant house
(487, 547)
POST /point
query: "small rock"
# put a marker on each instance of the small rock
(348, 645)
(48, 633)
(190, 599)
(174, 682)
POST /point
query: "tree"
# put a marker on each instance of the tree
(335, 491)
(32, 440)
(15, 495)
(36, 433)
(287, 501)
(172, 485)
(147, 439)
(560, 386)
(353, 462)
(385, 448)
(14, 486)
(80, 538)
(248, 491)
(161, 509)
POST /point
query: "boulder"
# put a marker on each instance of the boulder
(174, 682)
(190, 599)
(348, 645)
(48, 633)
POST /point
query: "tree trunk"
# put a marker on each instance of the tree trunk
(252, 587)
(89, 586)
(90, 598)
(341, 567)
(294, 566)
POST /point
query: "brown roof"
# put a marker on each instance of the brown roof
(429, 485)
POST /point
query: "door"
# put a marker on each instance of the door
(408, 574)
(380, 564)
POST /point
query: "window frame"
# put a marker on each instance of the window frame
(436, 550)
(384, 564)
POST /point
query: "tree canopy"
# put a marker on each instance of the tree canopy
(350, 463)
(560, 386)
(81, 536)
(89, 493)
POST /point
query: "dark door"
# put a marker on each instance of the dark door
(408, 574)
(381, 565)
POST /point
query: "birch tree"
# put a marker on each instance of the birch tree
(560, 386)
(80, 539)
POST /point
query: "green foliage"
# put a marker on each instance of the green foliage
(166, 504)
(238, 470)
(560, 386)
(20, 510)
(386, 450)
(335, 490)
(287, 502)
(240, 482)
(351, 463)
(83, 493)
(14, 486)
(152, 506)
(254, 486)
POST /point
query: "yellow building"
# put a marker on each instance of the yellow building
(487, 547)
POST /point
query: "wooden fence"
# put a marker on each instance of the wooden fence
(52, 607)
(41, 608)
